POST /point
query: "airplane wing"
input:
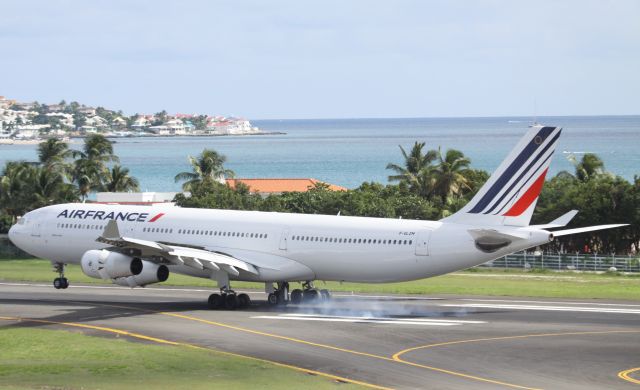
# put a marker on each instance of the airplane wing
(175, 254)
(558, 222)
(586, 229)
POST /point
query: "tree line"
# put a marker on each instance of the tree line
(428, 185)
(61, 175)
(434, 184)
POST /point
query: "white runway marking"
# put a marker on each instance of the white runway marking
(547, 308)
(549, 302)
(370, 320)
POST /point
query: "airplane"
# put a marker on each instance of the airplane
(140, 245)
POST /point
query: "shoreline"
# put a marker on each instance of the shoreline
(70, 139)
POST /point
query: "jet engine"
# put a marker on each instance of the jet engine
(151, 273)
(104, 264)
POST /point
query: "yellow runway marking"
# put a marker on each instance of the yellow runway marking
(385, 358)
(395, 358)
(193, 346)
(625, 375)
(397, 355)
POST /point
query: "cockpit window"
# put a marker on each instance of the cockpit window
(22, 220)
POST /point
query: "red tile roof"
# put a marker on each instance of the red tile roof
(280, 185)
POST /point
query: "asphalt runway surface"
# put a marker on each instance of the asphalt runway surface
(386, 341)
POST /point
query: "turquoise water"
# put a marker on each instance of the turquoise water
(349, 151)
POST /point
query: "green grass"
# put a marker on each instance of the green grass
(38, 358)
(514, 283)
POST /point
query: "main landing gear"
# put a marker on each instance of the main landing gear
(228, 299)
(308, 294)
(60, 282)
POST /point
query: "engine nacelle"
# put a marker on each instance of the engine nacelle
(104, 264)
(151, 273)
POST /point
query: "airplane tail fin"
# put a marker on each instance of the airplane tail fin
(510, 195)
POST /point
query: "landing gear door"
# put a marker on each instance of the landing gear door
(283, 239)
(422, 242)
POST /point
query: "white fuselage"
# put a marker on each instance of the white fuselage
(284, 247)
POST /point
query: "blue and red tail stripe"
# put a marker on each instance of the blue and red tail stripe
(526, 171)
(534, 146)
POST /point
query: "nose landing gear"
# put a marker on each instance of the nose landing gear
(60, 282)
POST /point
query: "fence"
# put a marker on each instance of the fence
(567, 261)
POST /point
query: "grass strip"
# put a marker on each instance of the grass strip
(515, 283)
(39, 358)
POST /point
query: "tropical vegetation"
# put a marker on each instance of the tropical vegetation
(207, 167)
(434, 184)
(60, 175)
(427, 184)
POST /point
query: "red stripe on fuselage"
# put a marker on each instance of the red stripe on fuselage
(525, 201)
(157, 217)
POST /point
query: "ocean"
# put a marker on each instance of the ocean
(348, 152)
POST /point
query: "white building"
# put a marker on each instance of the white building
(96, 121)
(160, 130)
(119, 123)
(231, 126)
(176, 126)
(136, 197)
(141, 123)
(65, 119)
(29, 131)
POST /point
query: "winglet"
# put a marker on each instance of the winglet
(564, 219)
(111, 230)
(558, 222)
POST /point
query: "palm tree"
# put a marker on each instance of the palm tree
(90, 169)
(588, 167)
(119, 180)
(14, 189)
(208, 166)
(53, 153)
(417, 168)
(97, 148)
(49, 188)
(450, 173)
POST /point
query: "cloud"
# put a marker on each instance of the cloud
(326, 58)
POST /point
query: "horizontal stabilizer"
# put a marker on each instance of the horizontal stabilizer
(492, 233)
(558, 222)
(586, 229)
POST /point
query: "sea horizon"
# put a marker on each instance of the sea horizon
(348, 152)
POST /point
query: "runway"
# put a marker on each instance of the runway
(385, 341)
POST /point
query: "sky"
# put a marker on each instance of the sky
(326, 59)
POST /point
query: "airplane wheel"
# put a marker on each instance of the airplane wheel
(272, 299)
(215, 301)
(310, 295)
(65, 283)
(325, 294)
(296, 296)
(231, 302)
(243, 301)
(57, 283)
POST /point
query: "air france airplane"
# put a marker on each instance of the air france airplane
(137, 246)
